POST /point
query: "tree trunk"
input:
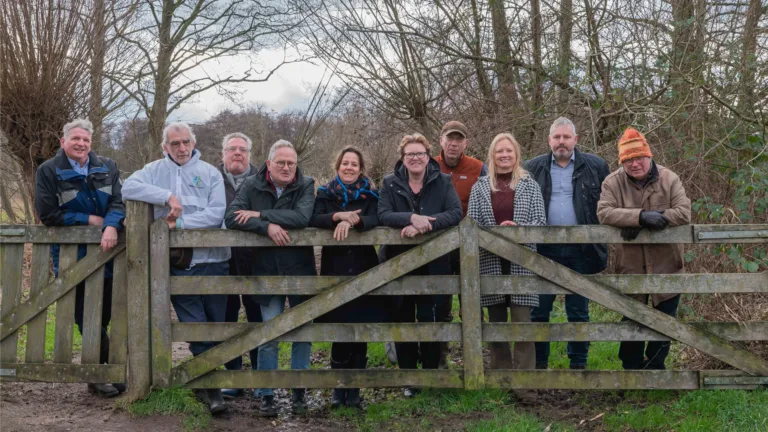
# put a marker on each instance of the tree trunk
(536, 34)
(683, 60)
(482, 79)
(748, 63)
(564, 55)
(159, 111)
(96, 112)
(507, 91)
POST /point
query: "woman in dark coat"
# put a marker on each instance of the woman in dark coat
(348, 202)
(418, 198)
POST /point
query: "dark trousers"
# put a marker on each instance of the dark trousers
(201, 308)
(106, 315)
(631, 353)
(253, 312)
(576, 308)
(424, 309)
(349, 355)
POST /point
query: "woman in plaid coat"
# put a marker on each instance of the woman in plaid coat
(507, 196)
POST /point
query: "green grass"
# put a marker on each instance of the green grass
(510, 420)
(701, 410)
(174, 401)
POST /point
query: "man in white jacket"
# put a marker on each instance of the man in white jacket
(188, 193)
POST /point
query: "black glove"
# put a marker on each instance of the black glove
(630, 233)
(654, 220)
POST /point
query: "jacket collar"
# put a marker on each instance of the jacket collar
(65, 171)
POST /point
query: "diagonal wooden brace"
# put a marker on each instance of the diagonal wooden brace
(701, 340)
(68, 279)
(315, 307)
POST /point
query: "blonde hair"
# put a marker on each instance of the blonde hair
(413, 139)
(518, 171)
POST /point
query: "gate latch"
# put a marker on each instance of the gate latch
(714, 382)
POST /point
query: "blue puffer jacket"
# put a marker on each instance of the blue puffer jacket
(64, 197)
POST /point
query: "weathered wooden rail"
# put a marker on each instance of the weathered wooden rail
(151, 333)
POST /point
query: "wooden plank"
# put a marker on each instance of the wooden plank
(62, 373)
(60, 288)
(161, 304)
(118, 332)
(316, 306)
(49, 235)
(614, 300)
(590, 234)
(303, 237)
(306, 285)
(336, 378)
(385, 332)
(592, 380)
(138, 219)
(65, 303)
(621, 331)
(41, 272)
(471, 312)
(93, 301)
(705, 283)
(12, 258)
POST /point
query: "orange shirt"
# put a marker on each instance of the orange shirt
(463, 175)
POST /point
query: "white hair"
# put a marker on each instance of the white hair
(83, 124)
(177, 127)
(562, 121)
(277, 145)
(230, 137)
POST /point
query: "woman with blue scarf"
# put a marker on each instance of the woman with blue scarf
(348, 202)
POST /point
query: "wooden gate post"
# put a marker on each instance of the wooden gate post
(161, 304)
(471, 312)
(137, 221)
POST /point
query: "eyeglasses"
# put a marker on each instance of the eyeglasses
(236, 149)
(177, 143)
(283, 164)
(418, 155)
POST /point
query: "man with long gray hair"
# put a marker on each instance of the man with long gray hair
(79, 187)
(277, 198)
(188, 193)
(570, 183)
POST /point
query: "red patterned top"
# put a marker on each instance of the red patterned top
(503, 200)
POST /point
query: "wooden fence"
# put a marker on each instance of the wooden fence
(151, 332)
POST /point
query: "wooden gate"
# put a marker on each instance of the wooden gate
(59, 292)
(388, 279)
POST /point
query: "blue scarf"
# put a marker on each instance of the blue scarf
(343, 193)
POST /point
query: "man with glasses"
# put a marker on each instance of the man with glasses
(188, 193)
(279, 197)
(235, 169)
(642, 194)
(464, 171)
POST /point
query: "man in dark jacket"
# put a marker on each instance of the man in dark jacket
(235, 169)
(570, 183)
(277, 198)
(78, 187)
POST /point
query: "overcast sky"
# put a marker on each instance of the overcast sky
(291, 87)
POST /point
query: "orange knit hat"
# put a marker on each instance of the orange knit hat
(632, 144)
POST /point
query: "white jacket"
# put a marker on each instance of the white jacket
(197, 185)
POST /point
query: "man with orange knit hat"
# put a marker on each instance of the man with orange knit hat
(642, 194)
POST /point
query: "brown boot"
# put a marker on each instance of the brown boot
(501, 357)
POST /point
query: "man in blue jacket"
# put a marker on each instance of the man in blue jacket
(78, 187)
(570, 182)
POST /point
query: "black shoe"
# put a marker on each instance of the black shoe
(353, 398)
(216, 401)
(121, 388)
(578, 367)
(298, 404)
(104, 390)
(202, 395)
(410, 392)
(339, 398)
(268, 407)
(541, 365)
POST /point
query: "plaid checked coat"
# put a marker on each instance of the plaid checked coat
(529, 210)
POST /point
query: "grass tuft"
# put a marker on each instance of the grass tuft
(174, 401)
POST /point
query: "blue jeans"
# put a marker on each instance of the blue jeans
(577, 310)
(201, 308)
(269, 351)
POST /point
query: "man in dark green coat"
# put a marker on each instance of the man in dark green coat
(277, 198)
